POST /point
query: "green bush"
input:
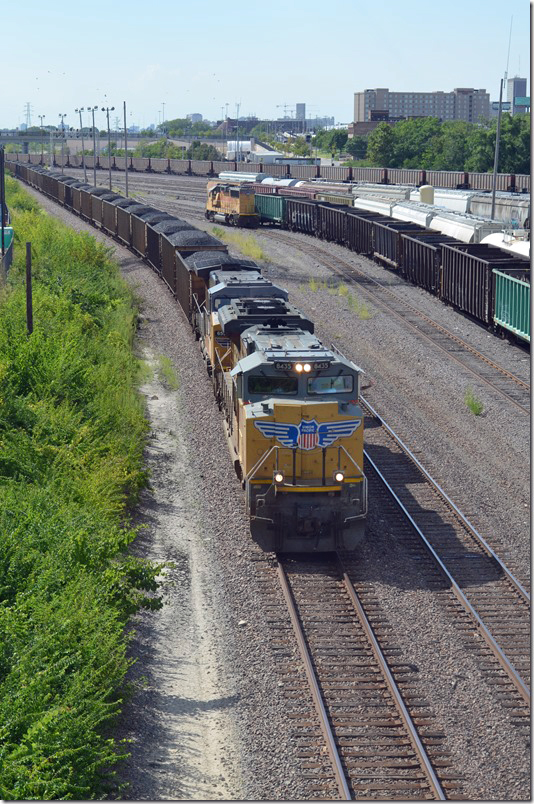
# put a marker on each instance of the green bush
(72, 433)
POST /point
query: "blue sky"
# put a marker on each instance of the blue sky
(200, 56)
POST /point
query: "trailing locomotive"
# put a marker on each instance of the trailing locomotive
(291, 409)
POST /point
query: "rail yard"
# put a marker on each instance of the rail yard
(399, 670)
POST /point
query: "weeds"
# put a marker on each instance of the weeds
(167, 374)
(355, 304)
(246, 243)
(72, 434)
(473, 402)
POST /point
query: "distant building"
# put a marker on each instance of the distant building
(300, 111)
(195, 118)
(381, 105)
(517, 95)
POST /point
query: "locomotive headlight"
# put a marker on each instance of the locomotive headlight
(307, 367)
(278, 477)
(299, 367)
(339, 477)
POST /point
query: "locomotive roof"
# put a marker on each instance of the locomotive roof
(235, 274)
(241, 314)
(282, 340)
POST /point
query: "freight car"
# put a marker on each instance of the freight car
(291, 405)
(506, 182)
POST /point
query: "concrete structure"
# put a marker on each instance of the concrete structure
(300, 111)
(381, 105)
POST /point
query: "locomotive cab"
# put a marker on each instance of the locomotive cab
(297, 431)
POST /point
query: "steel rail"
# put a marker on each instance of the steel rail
(339, 773)
(483, 543)
(393, 688)
(505, 663)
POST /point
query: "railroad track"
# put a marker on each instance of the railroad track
(514, 389)
(496, 599)
(362, 737)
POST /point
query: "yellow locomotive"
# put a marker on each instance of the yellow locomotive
(293, 420)
(232, 204)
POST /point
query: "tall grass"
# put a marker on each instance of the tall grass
(72, 433)
(357, 306)
(246, 243)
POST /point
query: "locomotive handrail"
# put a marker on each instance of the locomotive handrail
(276, 448)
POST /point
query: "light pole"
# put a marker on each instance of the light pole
(83, 146)
(41, 117)
(125, 152)
(107, 110)
(93, 109)
(62, 140)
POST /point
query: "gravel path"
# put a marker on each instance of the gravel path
(206, 719)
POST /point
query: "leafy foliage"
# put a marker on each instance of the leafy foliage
(425, 143)
(72, 432)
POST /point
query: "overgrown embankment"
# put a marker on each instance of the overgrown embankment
(72, 432)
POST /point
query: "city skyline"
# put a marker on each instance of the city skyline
(190, 59)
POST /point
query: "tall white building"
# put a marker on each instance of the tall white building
(468, 104)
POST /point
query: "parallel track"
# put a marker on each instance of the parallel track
(496, 600)
(514, 389)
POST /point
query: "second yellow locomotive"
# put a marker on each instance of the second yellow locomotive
(232, 204)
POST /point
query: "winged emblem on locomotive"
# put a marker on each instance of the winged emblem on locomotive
(308, 434)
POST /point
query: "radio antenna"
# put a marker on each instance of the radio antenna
(509, 43)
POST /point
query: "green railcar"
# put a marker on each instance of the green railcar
(512, 302)
(271, 208)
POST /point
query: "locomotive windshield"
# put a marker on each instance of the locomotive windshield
(273, 386)
(331, 385)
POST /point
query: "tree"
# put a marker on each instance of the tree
(357, 147)
(380, 148)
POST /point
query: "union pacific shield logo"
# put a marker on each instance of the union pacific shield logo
(308, 434)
